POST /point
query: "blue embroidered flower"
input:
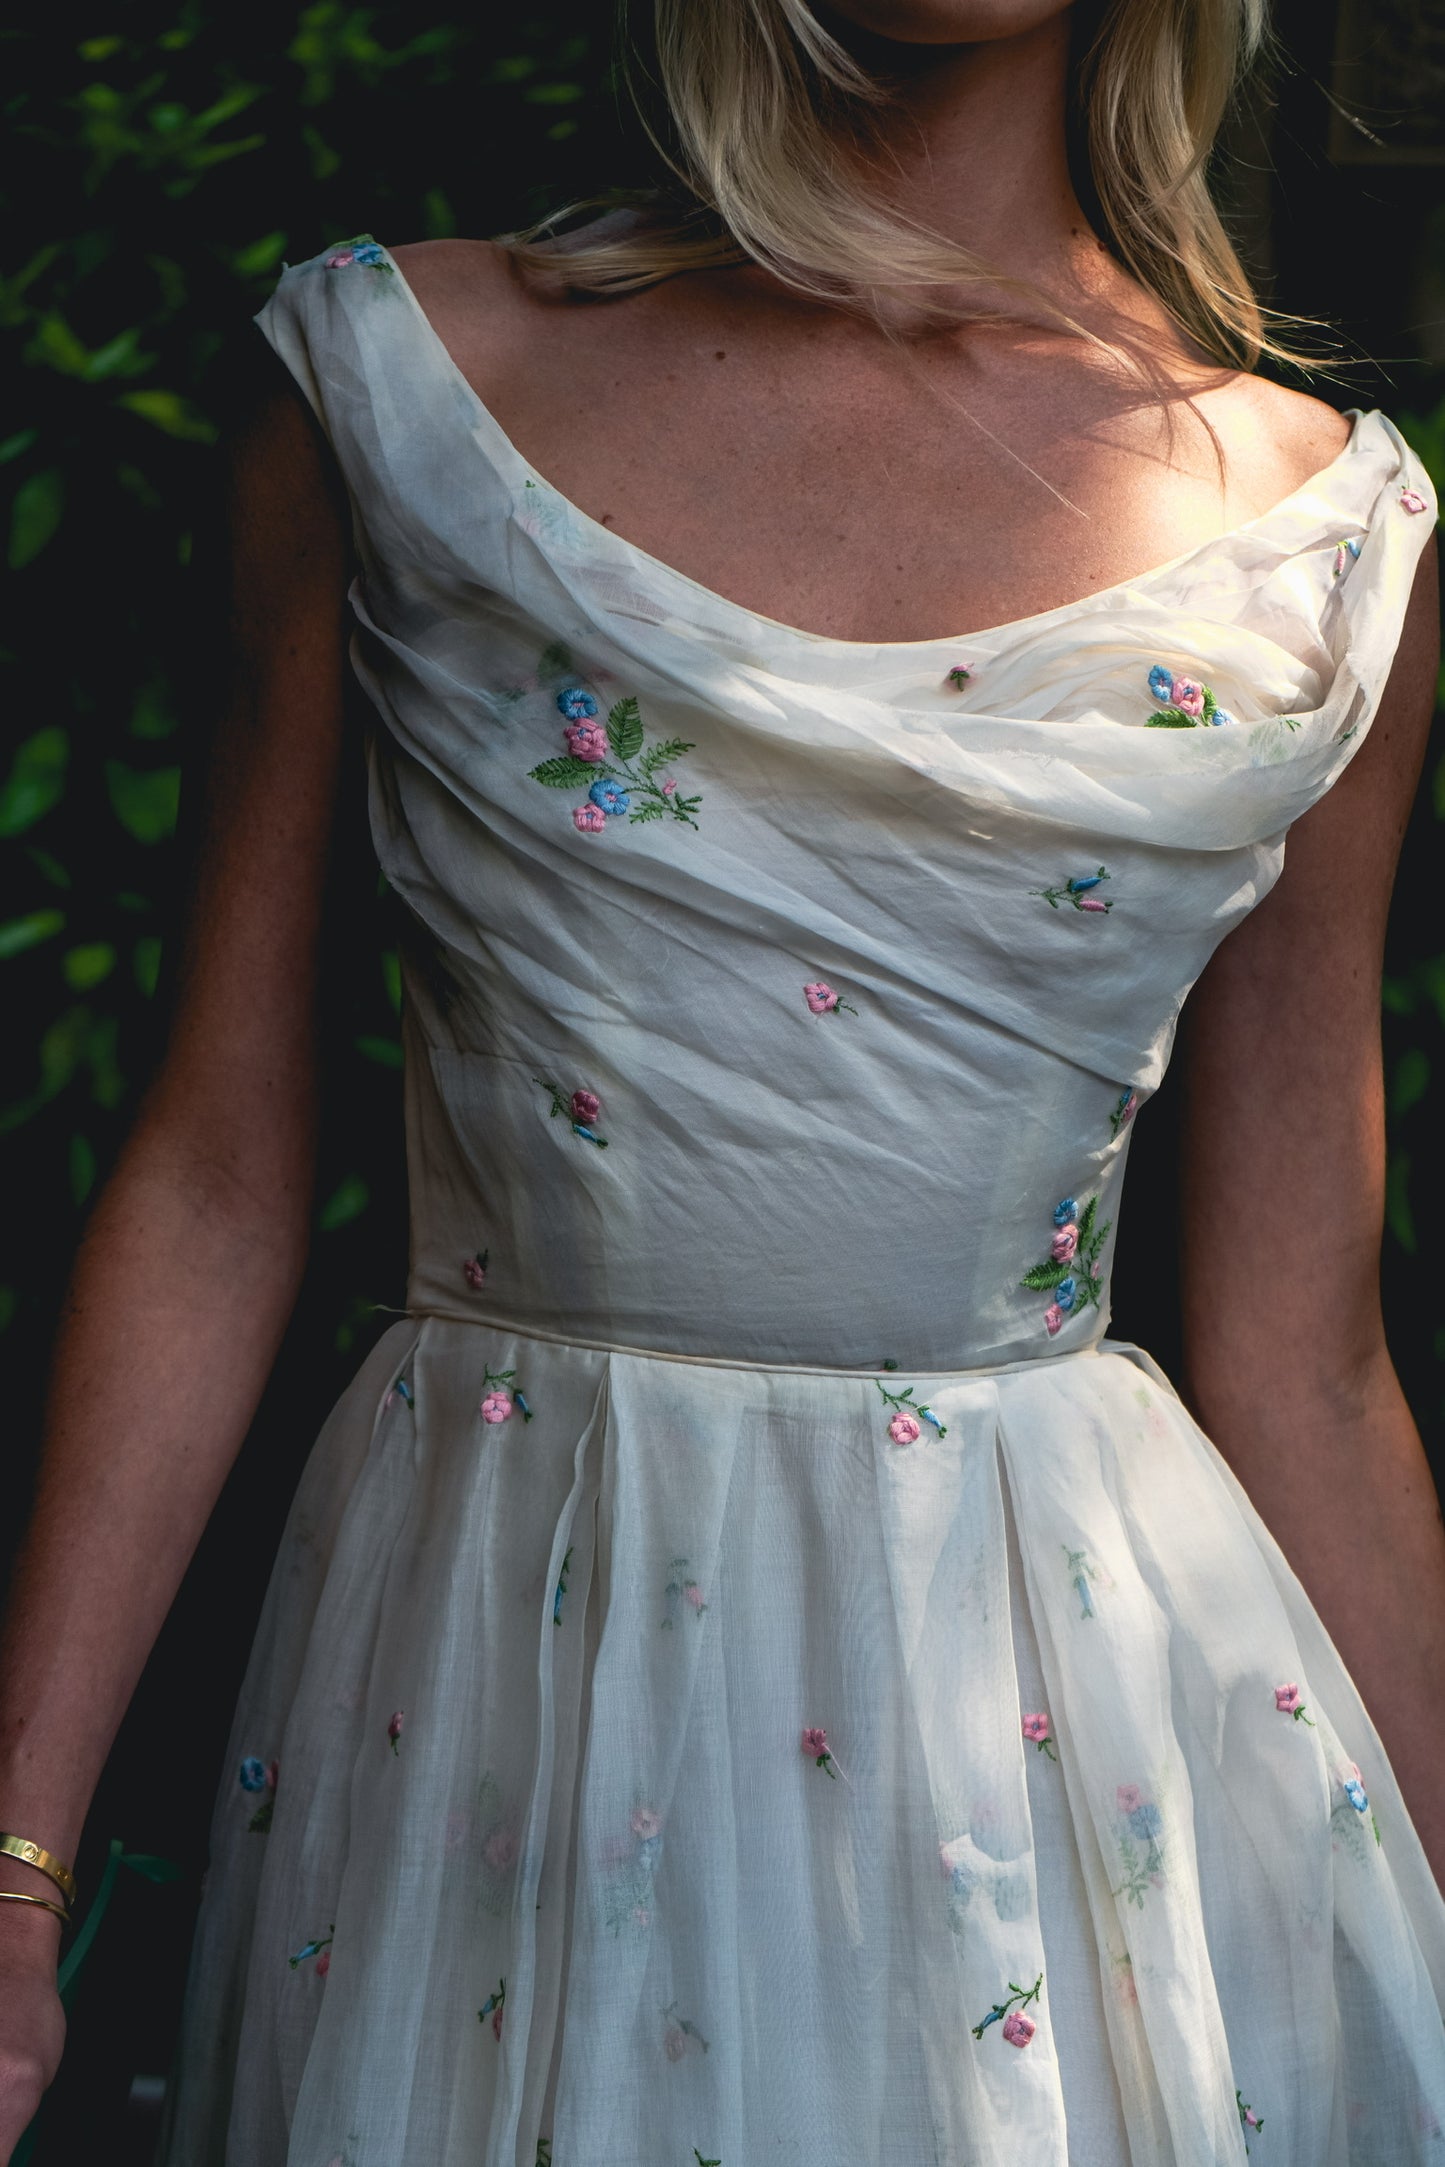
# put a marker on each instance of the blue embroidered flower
(609, 795)
(576, 704)
(1065, 1210)
(1081, 883)
(1161, 681)
(253, 1774)
(1221, 715)
(1146, 1819)
(1355, 1793)
(1065, 1292)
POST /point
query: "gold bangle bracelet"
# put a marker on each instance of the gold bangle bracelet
(34, 1854)
(14, 1896)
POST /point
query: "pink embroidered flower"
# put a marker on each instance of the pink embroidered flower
(497, 2021)
(1037, 1727)
(496, 1406)
(273, 1774)
(586, 1106)
(1091, 902)
(669, 787)
(586, 740)
(323, 1963)
(1018, 2029)
(474, 1271)
(1130, 1798)
(500, 1850)
(815, 1742)
(1064, 1243)
(1287, 1699)
(958, 676)
(1412, 501)
(339, 259)
(674, 2043)
(904, 1430)
(1251, 2119)
(589, 819)
(393, 1730)
(1053, 1319)
(819, 997)
(645, 1823)
(692, 1593)
(1187, 694)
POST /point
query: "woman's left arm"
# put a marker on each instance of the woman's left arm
(1283, 1195)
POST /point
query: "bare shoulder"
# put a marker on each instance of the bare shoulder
(1289, 434)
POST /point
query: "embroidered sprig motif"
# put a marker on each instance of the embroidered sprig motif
(823, 1001)
(319, 1948)
(497, 1402)
(401, 1390)
(474, 1270)
(701, 2162)
(1018, 2029)
(1187, 702)
(1287, 1701)
(394, 1731)
(1124, 1111)
(493, 2006)
(680, 2034)
(1071, 1273)
(616, 764)
(1139, 1846)
(815, 1749)
(1248, 2119)
(1079, 890)
(1082, 1572)
(958, 676)
(1347, 1816)
(361, 250)
(257, 1775)
(1412, 501)
(904, 1428)
(581, 1110)
(632, 1862)
(1345, 554)
(681, 1591)
(1038, 1728)
(561, 1586)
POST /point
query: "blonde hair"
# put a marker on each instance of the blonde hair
(755, 94)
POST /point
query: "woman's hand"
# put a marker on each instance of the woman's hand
(34, 2023)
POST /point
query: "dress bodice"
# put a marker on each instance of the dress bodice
(783, 998)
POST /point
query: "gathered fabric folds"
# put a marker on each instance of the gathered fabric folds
(754, 1670)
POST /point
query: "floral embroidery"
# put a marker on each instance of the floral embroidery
(823, 1000)
(357, 251)
(701, 2162)
(1248, 2119)
(581, 1110)
(1124, 1111)
(474, 1270)
(815, 1746)
(1412, 501)
(256, 1775)
(1345, 555)
(616, 764)
(1071, 1273)
(401, 1390)
(1287, 1701)
(1144, 1868)
(393, 1731)
(1037, 1728)
(632, 1862)
(1347, 1814)
(1018, 2029)
(561, 1586)
(493, 2006)
(904, 1428)
(544, 2152)
(1188, 702)
(499, 1847)
(1082, 1573)
(958, 676)
(497, 1402)
(681, 1589)
(315, 1948)
(681, 2033)
(1078, 890)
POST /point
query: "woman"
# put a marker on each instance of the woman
(751, 1669)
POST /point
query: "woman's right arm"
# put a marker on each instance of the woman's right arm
(192, 1257)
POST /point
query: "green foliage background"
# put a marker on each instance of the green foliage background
(158, 164)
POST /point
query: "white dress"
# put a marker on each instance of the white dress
(753, 1673)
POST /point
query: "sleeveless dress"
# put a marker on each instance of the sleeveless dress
(753, 1671)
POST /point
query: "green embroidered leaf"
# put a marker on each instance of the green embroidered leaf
(1086, 1219)
(1044, 1276)
(554, 661)
(624, 728)
(1210, 703)
(652, 810)
(565, 772)
(656, 756)
(1170, 718)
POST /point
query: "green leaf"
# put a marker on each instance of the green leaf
(347, 1202)
(145, 962)
(82, 1168)
(87, 965)
(152, 715)
(1170, 718)
(36, 780)
(565, 772)
(259, 258)
(18, 934)
(1087, 1217)
(1044, 1276)
(171, 411)
(34, 515)
(13, 446)
(145, 801)
(391, 978)
(624, 728)
(1410, 1082)
(386, 1051)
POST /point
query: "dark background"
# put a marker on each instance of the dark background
(159, 163)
